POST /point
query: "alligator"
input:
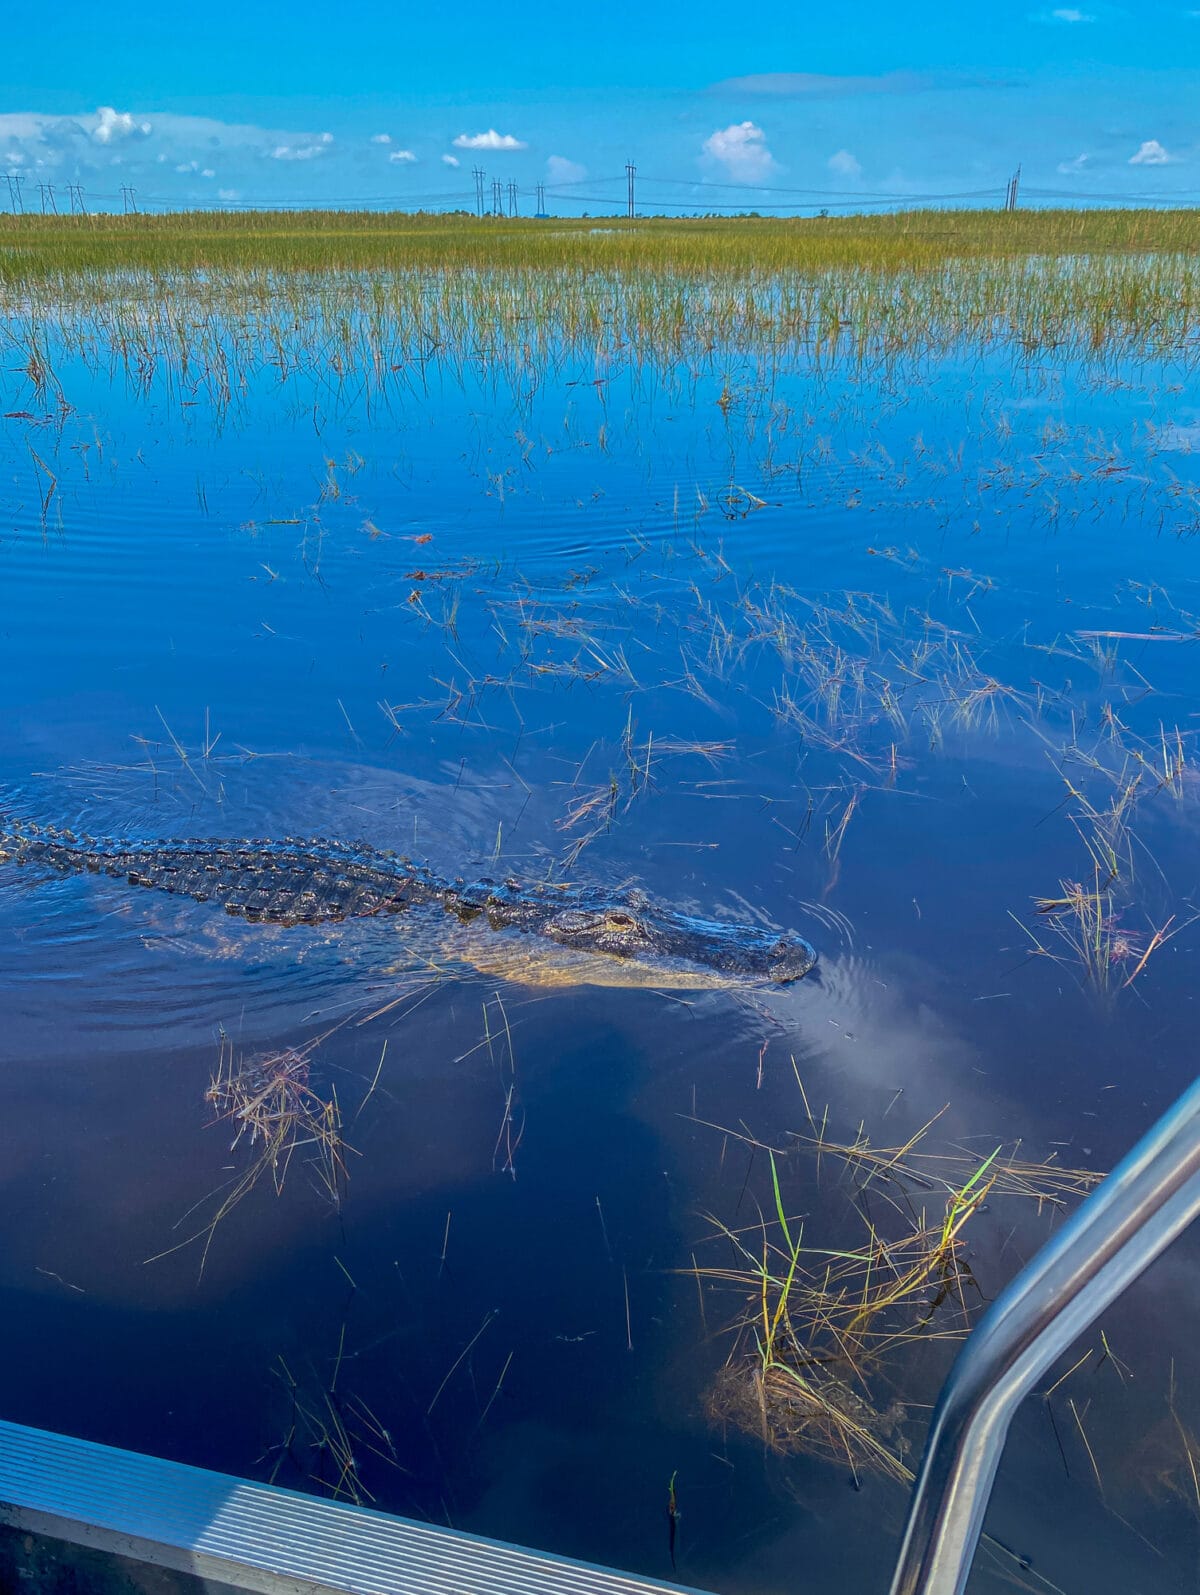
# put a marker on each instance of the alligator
(293, 881)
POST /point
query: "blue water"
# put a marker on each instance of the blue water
(449, 620)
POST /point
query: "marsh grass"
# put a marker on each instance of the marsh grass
(825, 1329)
(1089, 916)
(352, 305)
(316, 240)
(327, 1434)
(269, 1102)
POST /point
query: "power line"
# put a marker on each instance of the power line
(814, 193)
(697, 202)
(1161, 197)
(705, 206)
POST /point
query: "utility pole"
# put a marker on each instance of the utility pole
(630, 174)
(128, 199)
(76, 192)
(497, 197)
(15, 179)
(478, 173)
(541, 199)
(512, 199)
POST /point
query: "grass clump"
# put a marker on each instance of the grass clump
(1088, 916)
(269, 1101)
(825, 1330)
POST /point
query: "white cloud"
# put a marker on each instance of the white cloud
(742, 150)
(229, 193)
(381, 138)
(1068, 14)
(451, 160)
(560, 170)
(844, 164)
(1150, 153)
(402, 155)
(491, 140)
(167, 154)
(298, 152)
(1076, 164)
(111, 126)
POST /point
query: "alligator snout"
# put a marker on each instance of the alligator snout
(791, 959)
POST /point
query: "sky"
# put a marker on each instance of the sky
(863, 105)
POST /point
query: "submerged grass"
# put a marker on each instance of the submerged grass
(328, 1436)
(813, 1366)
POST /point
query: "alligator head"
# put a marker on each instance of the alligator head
(652, 937)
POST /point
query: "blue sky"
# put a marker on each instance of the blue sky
(866, 103)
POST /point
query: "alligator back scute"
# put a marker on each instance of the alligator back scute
(286, 883)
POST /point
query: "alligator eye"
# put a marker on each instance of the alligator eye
(621, 921)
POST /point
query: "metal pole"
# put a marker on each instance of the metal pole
(1149, 1198)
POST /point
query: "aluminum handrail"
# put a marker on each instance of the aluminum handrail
(1133, 1216)
(261, 1538)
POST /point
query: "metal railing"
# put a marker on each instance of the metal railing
(1140, 1208)
(260, 1537)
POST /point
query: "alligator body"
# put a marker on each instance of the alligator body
(297, 882)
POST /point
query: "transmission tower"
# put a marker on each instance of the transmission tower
(630, 174)
(541, 199)
(76, 192)
(478, 173)
(512, 199)
(129, 199)
(15, 179)
(46, 195)
(497, 197)
(1014, 184)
